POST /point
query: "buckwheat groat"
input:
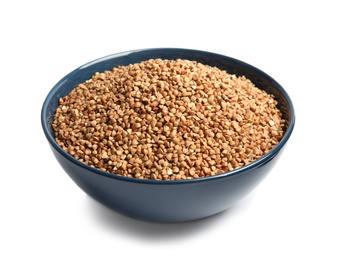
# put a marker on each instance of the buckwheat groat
(167, 120)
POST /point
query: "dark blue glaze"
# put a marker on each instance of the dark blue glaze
(167, 201)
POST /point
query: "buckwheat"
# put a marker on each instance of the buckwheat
(167, 120)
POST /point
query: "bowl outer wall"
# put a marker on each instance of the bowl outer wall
(166, 200)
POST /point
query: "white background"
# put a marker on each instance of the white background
(293, 214)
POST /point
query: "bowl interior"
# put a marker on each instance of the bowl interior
(231, 65)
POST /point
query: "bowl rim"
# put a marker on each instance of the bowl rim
(262, 160)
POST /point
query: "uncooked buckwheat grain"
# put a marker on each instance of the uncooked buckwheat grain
(167, 120)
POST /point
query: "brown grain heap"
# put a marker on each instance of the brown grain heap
(167, 120)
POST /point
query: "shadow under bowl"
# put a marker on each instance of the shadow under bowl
(167, 201)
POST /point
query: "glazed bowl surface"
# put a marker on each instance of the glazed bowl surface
(177, 200)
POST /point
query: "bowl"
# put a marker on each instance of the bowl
(160, 200)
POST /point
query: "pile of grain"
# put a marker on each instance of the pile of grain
(167, 120)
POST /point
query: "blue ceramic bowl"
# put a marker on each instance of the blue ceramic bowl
(167, 201)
